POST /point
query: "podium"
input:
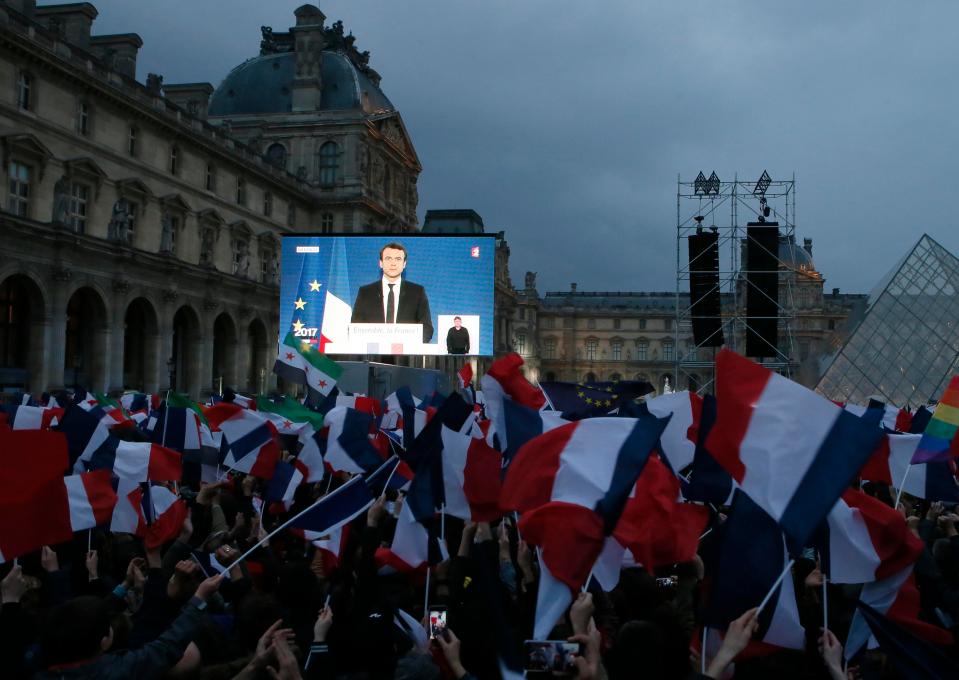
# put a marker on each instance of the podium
(384, 338)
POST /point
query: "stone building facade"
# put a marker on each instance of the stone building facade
(584, 336)
(139, 232)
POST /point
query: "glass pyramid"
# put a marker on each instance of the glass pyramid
(906, 346)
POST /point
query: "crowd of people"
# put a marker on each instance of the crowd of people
(106, 606)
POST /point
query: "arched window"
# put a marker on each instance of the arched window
(267, 203)
(550, 376)
(590, 377)
(326, 223)
(329, 160)
(520, 344)
(617, 350)
(174, 160)
(615, 377)
(642, 350)
(667, 351)
(591, 347)
(276, 155)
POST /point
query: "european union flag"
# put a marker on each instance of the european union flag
(588, 400)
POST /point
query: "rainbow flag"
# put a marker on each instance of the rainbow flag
(939, 441)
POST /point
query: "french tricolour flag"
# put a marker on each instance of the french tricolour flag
(791, 450)
(138, 461)
(251, 439)
(63, 506)
(505, 381)
(348, 445)
(282, 486)
(85, 434)
(897, 598)
(439, 457)
(335, 509)
(159, 514)
(685, 409)
(176, 427)
(31, 417)
(891, 464)
(751, 556)
(571, 485)
(865, 540)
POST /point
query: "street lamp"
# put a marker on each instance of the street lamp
(171, 371)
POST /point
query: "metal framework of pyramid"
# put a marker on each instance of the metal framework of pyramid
(906, 346)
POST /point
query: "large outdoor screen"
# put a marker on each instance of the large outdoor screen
(389, 294)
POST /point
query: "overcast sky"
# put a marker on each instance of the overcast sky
(566, 123)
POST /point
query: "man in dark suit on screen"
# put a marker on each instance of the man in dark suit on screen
(391, 299)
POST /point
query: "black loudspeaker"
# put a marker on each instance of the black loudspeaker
(704, 289)
(762, 288)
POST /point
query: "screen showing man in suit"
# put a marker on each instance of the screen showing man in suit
(383, 294)
(391, 299)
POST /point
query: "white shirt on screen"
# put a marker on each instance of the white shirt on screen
(396, 297)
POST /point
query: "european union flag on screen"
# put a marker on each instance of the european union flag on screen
(304, 313)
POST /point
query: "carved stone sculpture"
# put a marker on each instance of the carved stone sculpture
(121, 222)
(154, 83)
(242, 259)
(207, 242)
(166, 233)
(61, 200)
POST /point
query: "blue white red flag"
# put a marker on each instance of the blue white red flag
(790, 449)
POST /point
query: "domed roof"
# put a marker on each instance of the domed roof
(793, 255)
(264, 85)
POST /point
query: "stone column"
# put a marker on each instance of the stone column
(206, 378)
(243, 351)
(117, 331)
(198, 361)
(154, 362)
(36, 361)
(56, 336)
(165, 340)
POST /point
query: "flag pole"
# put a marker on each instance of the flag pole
(902, 484)
(390, 478)
(702, 652)
(825, 604)
(166, 418)
(426, 594)
(789, 565)
(279, 528)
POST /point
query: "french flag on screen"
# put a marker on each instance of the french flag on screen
(791, 450)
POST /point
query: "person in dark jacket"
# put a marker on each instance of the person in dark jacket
(77, 636)
(458, 338)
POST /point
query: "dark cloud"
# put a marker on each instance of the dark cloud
(566, 123)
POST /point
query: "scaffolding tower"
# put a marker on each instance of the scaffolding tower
(716, 201)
